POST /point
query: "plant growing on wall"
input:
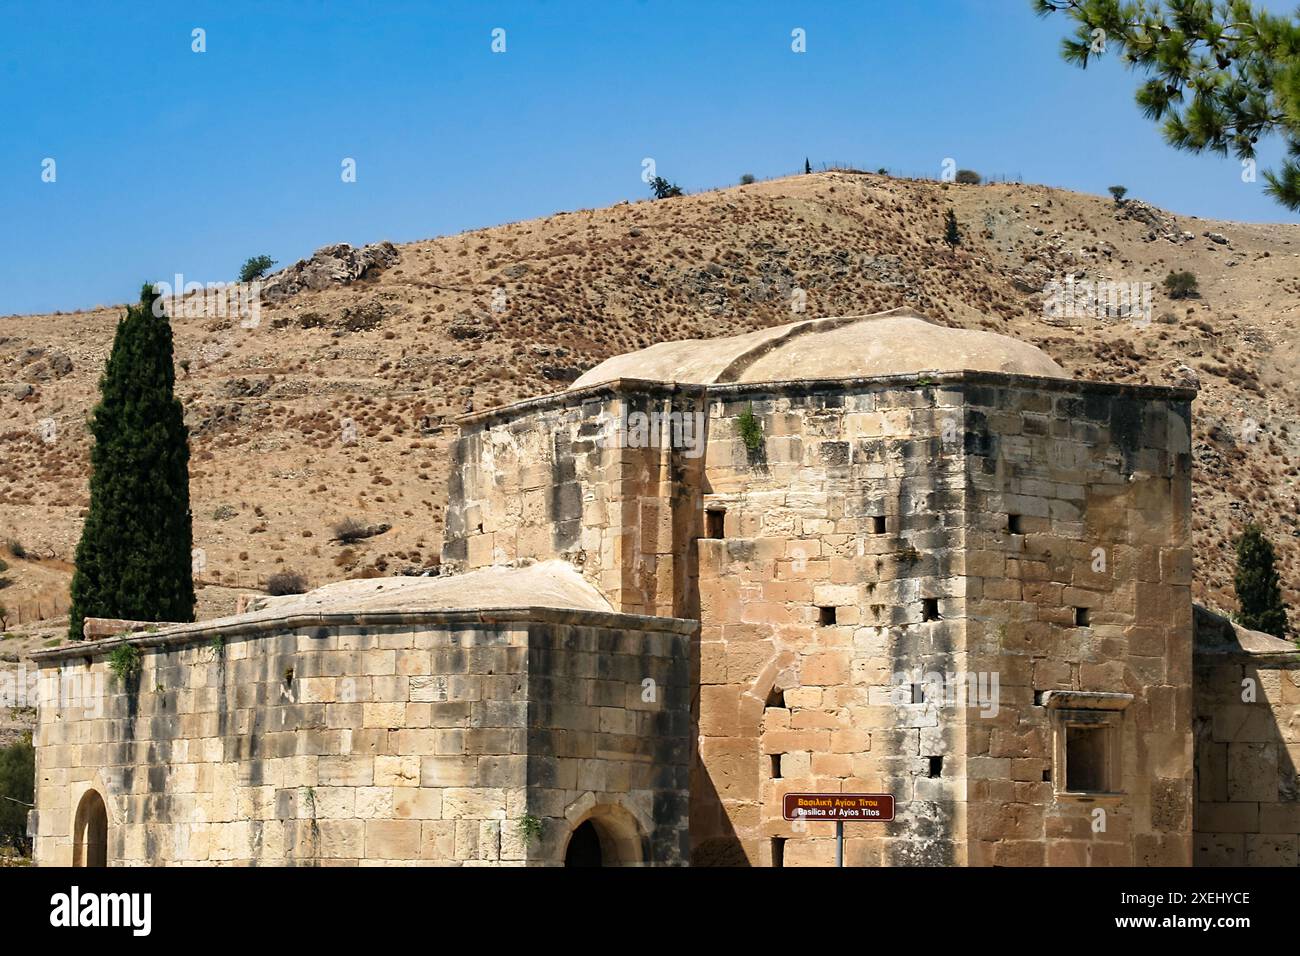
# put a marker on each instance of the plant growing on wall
(124, 661)
(750, 430)
(530, 828)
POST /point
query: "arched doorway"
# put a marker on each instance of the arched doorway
(608, 835)
(90, 831)
(584, 847)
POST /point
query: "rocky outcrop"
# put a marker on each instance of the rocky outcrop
(1160, 224)
(336, 265)
(43, 365)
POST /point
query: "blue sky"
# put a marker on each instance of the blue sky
(173, 161)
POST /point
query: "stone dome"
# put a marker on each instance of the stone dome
(898, 342)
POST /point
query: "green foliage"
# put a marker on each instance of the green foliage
(1220, 76)
(530, 828)
(663, 189)
(968, 177)
(951, 234)
(1118, 192)
(1259, 593)
(133, 560)
(746, 179)
(17, 786)
(807, 166)
(1181, 285)
(750, 430)
(124, 662)
(255, 267)
(16, 548)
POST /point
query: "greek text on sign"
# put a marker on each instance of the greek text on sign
(854, 807)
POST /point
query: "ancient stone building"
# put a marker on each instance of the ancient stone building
(864, 554)
(407, 720)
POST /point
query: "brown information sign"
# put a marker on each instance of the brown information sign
(840, 807)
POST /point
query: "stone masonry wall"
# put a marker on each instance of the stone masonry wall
(852, 506)
(577, 477)
(1088, 593)
(1247, 760)
(891, 503)
(411, 741)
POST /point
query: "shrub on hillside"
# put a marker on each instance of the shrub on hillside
(746, 179)
(969, 177)
(350, 530)
(286, 582)
(1181, 285)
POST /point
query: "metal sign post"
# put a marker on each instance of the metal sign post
(854, 807)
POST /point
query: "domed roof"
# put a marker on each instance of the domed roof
(898, 342)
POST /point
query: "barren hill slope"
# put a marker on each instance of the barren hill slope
(401, 351)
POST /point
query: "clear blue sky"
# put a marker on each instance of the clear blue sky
(174, 161)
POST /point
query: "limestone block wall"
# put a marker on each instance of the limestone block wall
(605, 478)
(921, 585)
(1247, 760)
(840, 541)
(387, 738)
(918, 587)
(1078, 572)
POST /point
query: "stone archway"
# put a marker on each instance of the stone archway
(607, 835)
(90, 831)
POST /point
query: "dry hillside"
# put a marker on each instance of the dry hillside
(402, 350)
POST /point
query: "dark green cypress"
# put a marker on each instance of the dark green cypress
(133, 561)
(1259, 595)
(951, 234)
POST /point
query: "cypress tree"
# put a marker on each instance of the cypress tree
(951, 234)
(1258, 593)
(134, 557)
